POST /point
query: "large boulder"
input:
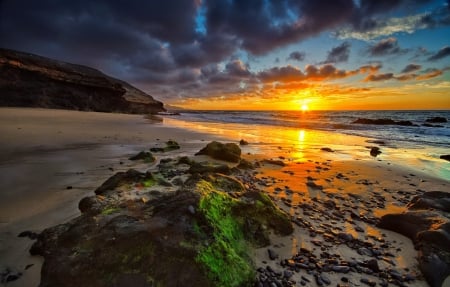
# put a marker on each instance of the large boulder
(199, 235)
(227, 152)
(427, 223)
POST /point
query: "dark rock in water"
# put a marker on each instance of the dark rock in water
(375, 151)
(227, 152)
(432, 126)
(382, 122)
(446, 157)
(243, 142)
(327, 149)
(30, 234)
(33, 81)
(436, 120)
(146, 156)
(426, 222)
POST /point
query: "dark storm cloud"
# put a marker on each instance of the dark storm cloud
(339, 54)
(262, 29)
(411, 68)
(296, 56)
(442, 53)
(385, 47)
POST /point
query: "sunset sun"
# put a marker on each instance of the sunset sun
(304, 107)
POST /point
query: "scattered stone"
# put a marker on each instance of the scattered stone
(272, 254)
(69, 187)
(375, 151)
(368, 282)
(243, 142)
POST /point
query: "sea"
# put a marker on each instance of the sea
(418, 146)
(437, 135)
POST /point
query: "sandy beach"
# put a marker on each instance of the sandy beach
(50, 159)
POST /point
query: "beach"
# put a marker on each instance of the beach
(51, 159)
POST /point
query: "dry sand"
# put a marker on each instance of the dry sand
(45, 151)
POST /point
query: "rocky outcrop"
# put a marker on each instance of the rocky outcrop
(33, 81)
(383, 122)
(436, 120)
(200, 234)
(426, 222)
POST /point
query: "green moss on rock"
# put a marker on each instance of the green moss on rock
(225, 259)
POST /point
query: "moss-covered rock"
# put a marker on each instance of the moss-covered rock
(170, 145)
(144, 155)
(227, 152)
(200, 235)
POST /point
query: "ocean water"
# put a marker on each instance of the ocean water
(342, 122)
(416, 147)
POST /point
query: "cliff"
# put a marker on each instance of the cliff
(29, 80)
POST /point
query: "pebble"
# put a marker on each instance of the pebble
(272, 254)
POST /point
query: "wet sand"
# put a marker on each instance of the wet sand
(50, 159)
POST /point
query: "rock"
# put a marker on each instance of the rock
(340, 269)
(327, 149)
(436, 120)
(7, 275)
(375, 151)
(382, 122)
(90, 204)
(245, 164)
(243, 142)
(368, 282)
(122, 178)
(33, 81)
(446, 157)
(227, 152)
(273, 162)
(30, 234)
(146, 156)
(207, 167)
(199, 233)
(170, 145)
(345, 236)
(272, 254)
(372, 264)
(429, 229)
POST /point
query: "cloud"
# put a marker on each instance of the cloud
(433, 73)
(379, 77)
(385, 47)
(369, 21)
(442, 53)
(411, 68)
(339, 54)
(297, 56)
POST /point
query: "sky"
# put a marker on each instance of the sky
(250, 54)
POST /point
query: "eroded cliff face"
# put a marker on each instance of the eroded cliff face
(29, 80)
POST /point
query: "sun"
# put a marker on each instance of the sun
(304, 107)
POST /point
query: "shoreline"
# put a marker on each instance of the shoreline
(85, 164)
